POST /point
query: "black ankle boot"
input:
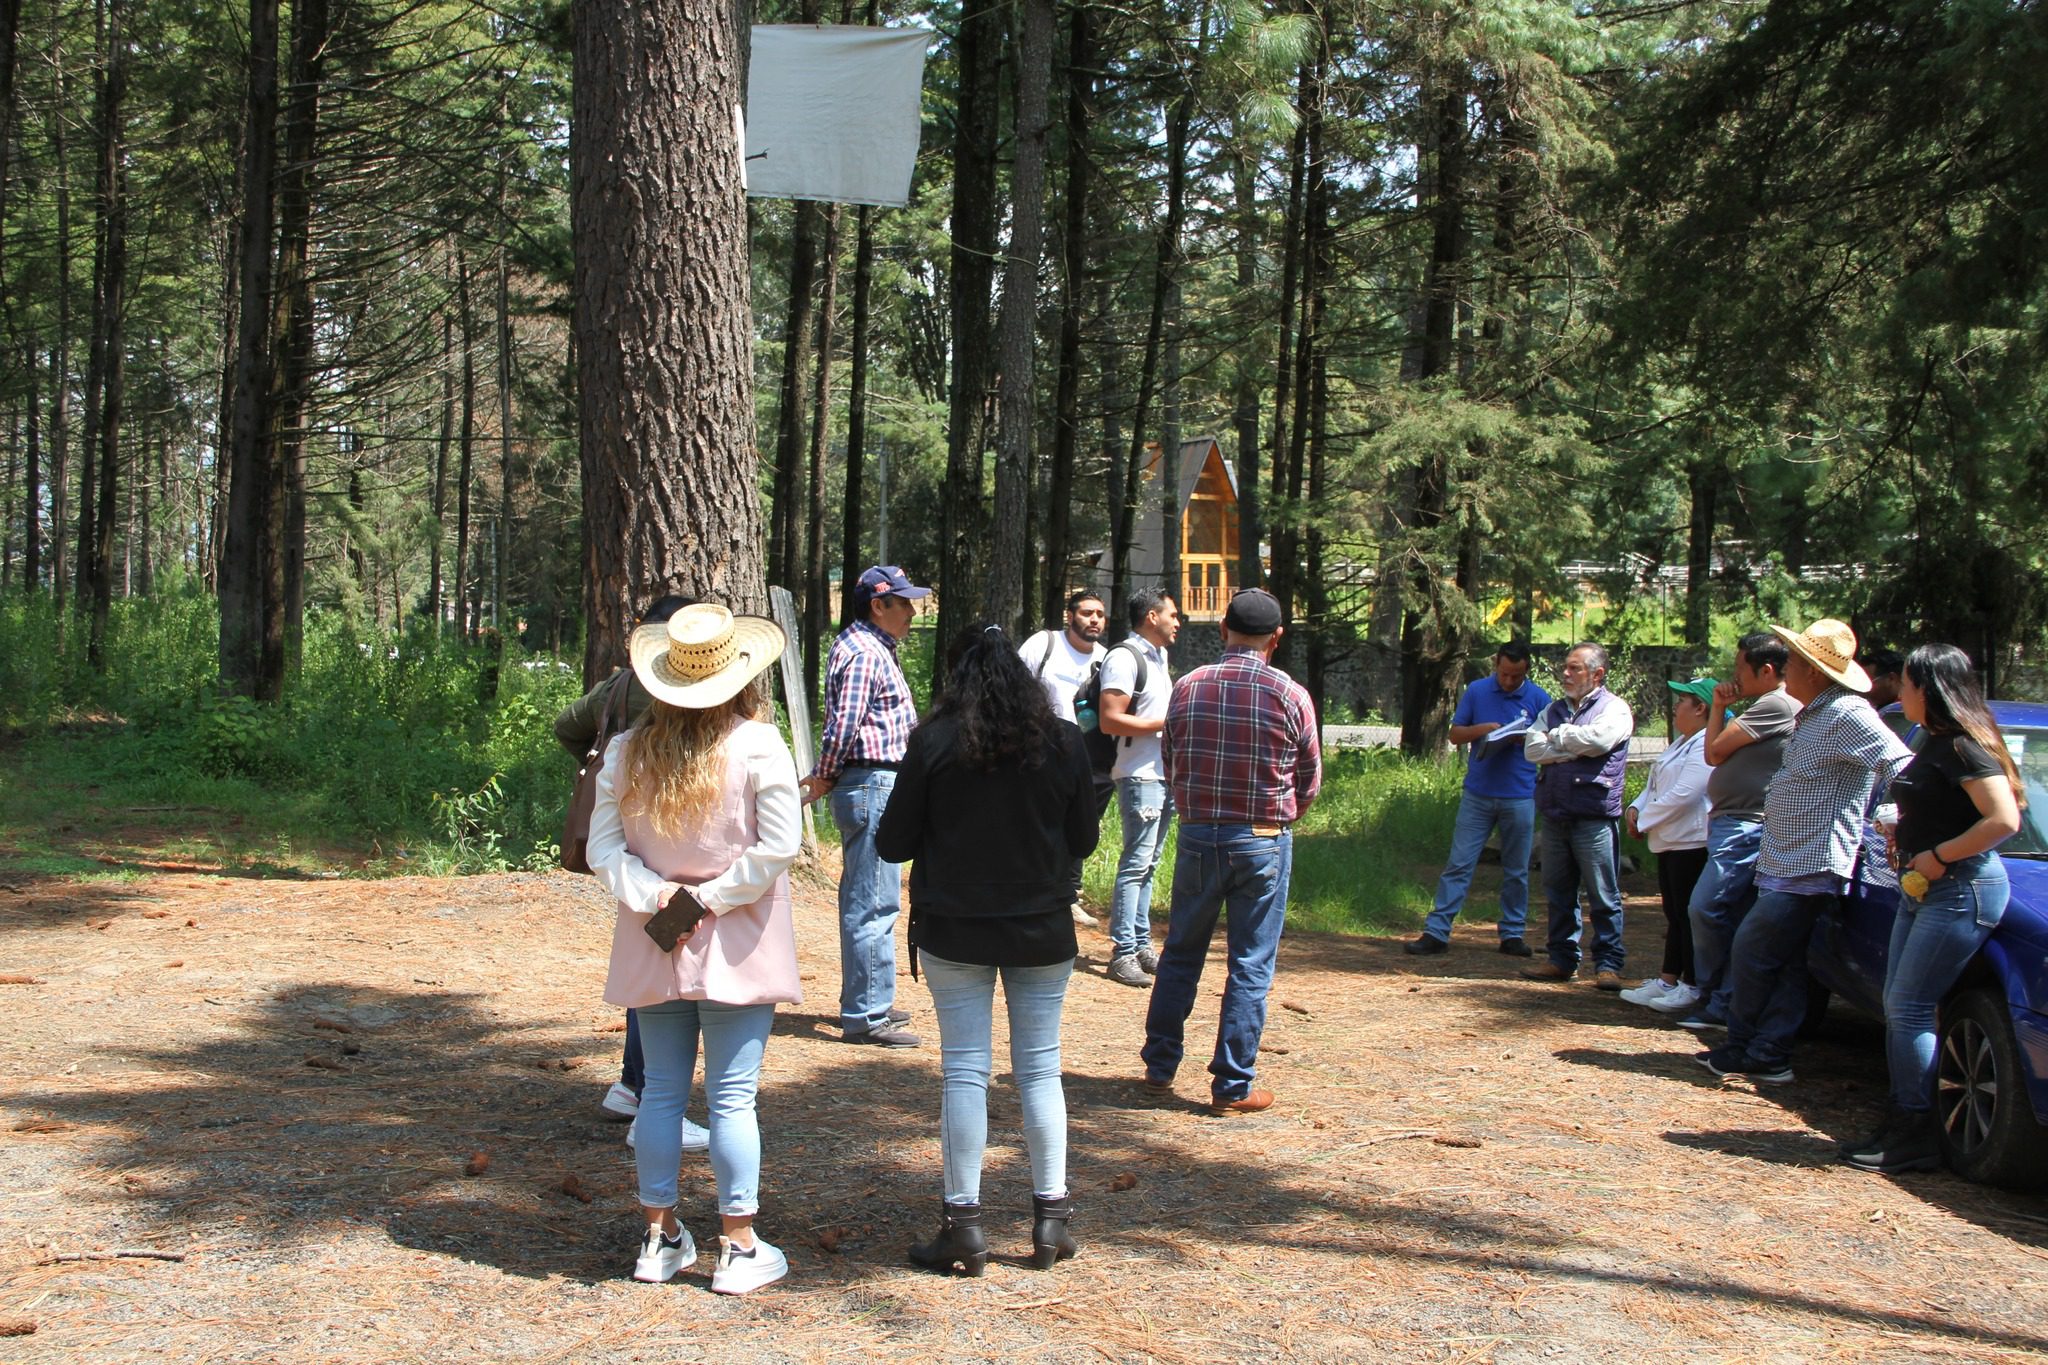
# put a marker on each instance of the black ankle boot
(1050, 1241)
(1907, 1142)
(959, 1241)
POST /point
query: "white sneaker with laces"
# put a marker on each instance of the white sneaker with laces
(695, 1139)
(621, 1100)
(1678, 1000)
(663, 1257)
(739, 1272)
(1648, 993)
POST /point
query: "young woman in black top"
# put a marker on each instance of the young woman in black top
(1958, 800)
(992, 804)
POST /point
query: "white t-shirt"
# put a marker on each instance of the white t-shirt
(1059, 667)
(1138, 756)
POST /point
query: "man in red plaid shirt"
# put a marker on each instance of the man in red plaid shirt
(1243, 762)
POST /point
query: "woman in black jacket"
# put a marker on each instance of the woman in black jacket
(993, 803)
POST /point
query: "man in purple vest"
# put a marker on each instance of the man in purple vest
(1580, 748)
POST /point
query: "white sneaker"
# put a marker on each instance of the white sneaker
(621, 1100)
(1678, 1000)
(695, 1139)
(1648, 993)
(739, 1272)
(663, 1257)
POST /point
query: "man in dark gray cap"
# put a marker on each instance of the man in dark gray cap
(1243, 762)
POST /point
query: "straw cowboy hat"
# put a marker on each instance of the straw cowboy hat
(1829, 646)
(703, 655)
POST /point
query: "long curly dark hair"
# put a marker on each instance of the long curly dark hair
(1000, 708)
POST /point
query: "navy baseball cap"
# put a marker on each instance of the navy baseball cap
(886, 580)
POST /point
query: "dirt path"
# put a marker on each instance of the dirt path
(286, 1081)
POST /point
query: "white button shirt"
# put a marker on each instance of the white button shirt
(1671, 812)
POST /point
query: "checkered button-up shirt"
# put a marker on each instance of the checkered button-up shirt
(1240, 746)
(868, 710)
(1839, 757)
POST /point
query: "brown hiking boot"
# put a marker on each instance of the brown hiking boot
(1546, 971)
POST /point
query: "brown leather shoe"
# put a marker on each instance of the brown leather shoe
(1546, 971)
(1159, 1085)
(1250, 1104)
(1608, 981)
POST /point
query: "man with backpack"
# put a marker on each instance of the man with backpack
(1065, 662)
(1135, 688)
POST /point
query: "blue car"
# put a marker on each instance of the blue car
(1991, 1090)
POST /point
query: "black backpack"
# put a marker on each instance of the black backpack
(1088, 709)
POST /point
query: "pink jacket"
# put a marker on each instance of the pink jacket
(744, 956)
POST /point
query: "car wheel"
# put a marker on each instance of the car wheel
(1987, 1126)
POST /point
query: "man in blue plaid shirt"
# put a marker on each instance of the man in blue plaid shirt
(1837, 764)
(869, 713)
(1243, 758)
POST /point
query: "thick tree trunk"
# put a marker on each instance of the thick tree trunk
(60, 352)
(250, 458)
(1251, 522)
(1074, 269)
(435, 606)
(972, 268)
(662, 328)
(1010, 550)
(1284, 538)
(821, 426)
(467, 587)
(292, 341)
(501, 568)
(854, 498)
(113, 177)
(1429, 659)
(784, 542)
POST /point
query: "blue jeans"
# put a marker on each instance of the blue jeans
(1219, 866)
(1932, 941)
(870, 899)
(633, 1066)
(1145, 807)
(735, 1036)
(1477, 817)
(1583, 852)
(1767, 973)
(1720, 901)
(963, 996)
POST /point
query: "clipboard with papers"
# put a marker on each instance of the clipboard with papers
(1498, 742)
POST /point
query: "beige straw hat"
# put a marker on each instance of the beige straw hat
(703, 655)
(1829, 646)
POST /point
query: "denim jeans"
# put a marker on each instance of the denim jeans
(870, 899)
(1219, 866)
(633, 1066)
(735, 1036)
(1477, 817)
(963, 996)
(1145, 807)
(1767, 973)
(1720, 901)
(1583, 853)
(1933, 939)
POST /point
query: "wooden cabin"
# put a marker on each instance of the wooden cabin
(1208, 530)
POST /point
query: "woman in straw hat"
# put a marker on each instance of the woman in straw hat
(994, 801)
(1957, 800)
(695, 826)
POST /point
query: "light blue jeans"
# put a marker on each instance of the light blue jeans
(735, 1037)
(963, 996)
(1720, 901)
(1583, 853)
(870, 899)
(1478, 816)
(1933, 939)
(1219, 870)
(1145, 807)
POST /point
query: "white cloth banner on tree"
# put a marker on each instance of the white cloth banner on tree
(833, 112)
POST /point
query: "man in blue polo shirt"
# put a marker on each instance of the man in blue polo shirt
(1500, 791)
